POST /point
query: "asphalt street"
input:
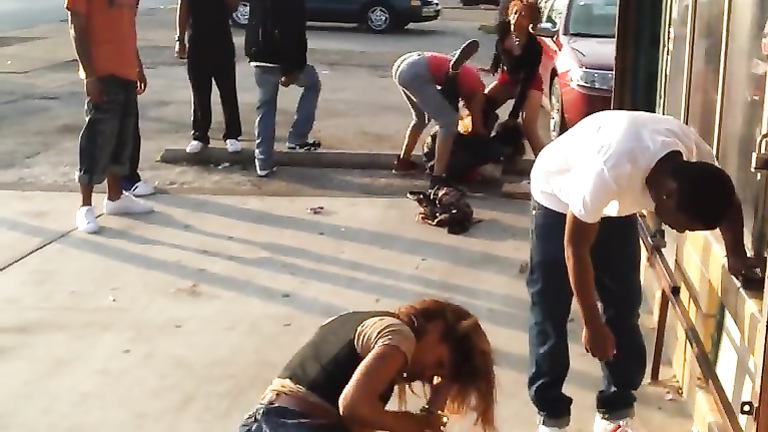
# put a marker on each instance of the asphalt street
(21, 14)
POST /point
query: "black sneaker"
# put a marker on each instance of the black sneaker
(310, 145)
(466, 52)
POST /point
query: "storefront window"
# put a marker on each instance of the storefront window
(743, 98)
(677, 54)
(705, 70)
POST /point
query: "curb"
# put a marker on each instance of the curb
(317, 159)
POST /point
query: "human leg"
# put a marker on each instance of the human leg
(225, 78)
(201, 83)
(304, 122)
(268, 82)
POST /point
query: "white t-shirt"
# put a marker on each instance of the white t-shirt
(598, 168)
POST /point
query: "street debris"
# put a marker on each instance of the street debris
(315, 210)
(524, 266)
(112, 299)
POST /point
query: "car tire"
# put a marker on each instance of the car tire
(556, 117)
(379, 17)
(240, 16)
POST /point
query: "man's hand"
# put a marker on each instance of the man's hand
(141, 84)
(181, 50)
(93, 90)
(289, 80)
(599, 341)
(745, 267)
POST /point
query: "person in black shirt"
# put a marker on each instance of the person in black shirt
(204, 39)
(276, 45)
(343, 377)
(516, 60)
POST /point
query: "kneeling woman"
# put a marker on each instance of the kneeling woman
(420, 76)
(343, 378)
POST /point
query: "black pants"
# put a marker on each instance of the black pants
(616, 260)
(133, 177)
(204, 68)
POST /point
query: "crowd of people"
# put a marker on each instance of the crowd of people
(586, 187)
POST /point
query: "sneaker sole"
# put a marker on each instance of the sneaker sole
(308, 148)
(466, 52)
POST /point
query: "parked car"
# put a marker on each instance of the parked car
(378, 16)
(579, 40)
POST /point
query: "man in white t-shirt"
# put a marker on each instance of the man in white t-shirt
(587, 186)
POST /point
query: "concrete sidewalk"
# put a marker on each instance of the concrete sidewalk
(179, 319)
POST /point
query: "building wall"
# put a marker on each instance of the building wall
(713, 77)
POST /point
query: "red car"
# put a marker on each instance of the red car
(579, 40)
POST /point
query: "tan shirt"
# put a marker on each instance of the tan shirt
(372, 333)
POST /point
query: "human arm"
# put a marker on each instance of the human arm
(531, 110)
(182, 25)
(732, 230)
(292, 19)
(78, 30)
(475, 107)
(359, 404)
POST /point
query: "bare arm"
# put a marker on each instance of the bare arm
(80, 39)
(732, 231)
(182, 20)
(531, 121)
(359, 403)
(579, 237)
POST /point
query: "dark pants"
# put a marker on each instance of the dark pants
(274, 418)
(616, 260)
(129, 180)
(204, 67)
(107, 140)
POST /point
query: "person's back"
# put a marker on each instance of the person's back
(209, 27)
(598, 167)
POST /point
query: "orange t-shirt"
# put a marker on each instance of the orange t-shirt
(111, 27)
(470, 82)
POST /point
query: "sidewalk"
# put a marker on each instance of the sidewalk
(178, 320)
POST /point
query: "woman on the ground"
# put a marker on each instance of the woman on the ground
(516, 61)
(420, 76)
(342, 379)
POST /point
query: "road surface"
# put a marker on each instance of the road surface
(21, 14)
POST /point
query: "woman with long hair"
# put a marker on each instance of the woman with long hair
(516, 61)
(343, 377)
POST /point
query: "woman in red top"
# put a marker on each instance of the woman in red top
(419, 76)
(517, 61)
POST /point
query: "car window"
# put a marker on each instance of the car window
(592, 18)
(545, 4)
(556, 12)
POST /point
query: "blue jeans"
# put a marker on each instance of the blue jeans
(268, 82)
(616, 261)
(274, 418)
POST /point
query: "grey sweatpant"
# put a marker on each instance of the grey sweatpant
(411, 73)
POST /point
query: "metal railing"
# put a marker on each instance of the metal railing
(671, 297)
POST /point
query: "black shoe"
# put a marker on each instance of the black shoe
(466, 52)
(310, 145)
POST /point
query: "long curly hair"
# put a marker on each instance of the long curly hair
(471, 367)
(529, 7)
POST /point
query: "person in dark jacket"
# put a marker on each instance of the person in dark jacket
(343, 377)
(276, 46)
(517, 60)
(204, 39)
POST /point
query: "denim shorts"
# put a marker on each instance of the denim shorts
(108, 137)
(275, 418)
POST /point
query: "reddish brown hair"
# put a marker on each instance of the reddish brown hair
(530, 8)
(471, 367)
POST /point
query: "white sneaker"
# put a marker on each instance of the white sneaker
(195, 147)
(603, 425)
(233, 145)
(543, 428)
(127, 204)
(86, 220)
(141, 189)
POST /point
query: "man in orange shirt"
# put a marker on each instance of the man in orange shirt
(104, 36)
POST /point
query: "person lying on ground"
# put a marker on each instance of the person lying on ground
(587, 186)
(419, 76)
(344, 376)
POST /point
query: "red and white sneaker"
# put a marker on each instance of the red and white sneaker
(603, 425)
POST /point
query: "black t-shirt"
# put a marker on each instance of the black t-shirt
(209, 26)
